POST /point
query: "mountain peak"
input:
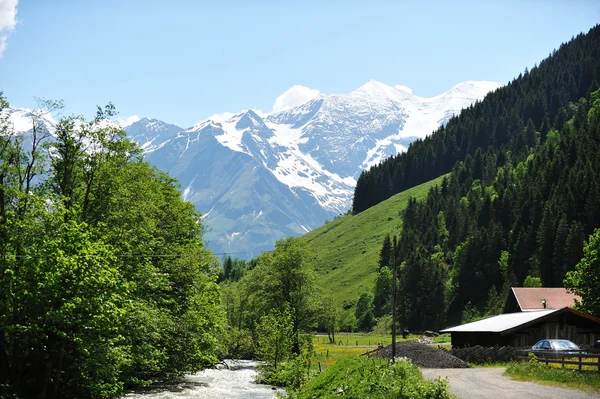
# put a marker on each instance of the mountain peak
(475, 86)
(373, 85)
(293, 97)
(295, 167)
(374, 88)
(249, 119)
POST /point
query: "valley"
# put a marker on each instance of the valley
(348, 240)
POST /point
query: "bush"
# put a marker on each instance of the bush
(236, 344)
(290, 374)
(370, 378)
(292, 371)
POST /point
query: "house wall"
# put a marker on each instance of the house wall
(557, 328)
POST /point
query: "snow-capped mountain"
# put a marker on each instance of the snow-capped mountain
(258, 177)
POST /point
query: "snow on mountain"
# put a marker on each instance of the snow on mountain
(306, 154)
(347, 133)
(21, 119)
(276, 147)
(150, 133)
(293, 97)
(258, 177)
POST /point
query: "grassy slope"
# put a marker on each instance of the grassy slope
(347, 249)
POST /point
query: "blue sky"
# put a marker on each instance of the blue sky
(182, 61)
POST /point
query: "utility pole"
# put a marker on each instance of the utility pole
(394, 289)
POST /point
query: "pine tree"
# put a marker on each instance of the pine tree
(385, 255)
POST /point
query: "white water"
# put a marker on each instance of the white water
(235, 379)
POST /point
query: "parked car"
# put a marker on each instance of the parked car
(555, 346)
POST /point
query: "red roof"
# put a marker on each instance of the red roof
(556, 298)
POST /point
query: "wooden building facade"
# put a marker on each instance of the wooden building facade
(524, 329)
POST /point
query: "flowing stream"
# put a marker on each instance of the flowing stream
(233, 379)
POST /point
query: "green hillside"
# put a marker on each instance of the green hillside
(347, 248)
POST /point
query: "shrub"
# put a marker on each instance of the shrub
(370, 378)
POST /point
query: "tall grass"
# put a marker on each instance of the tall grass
(360, 377)
(539, 372)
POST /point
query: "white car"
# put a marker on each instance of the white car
(556, 345)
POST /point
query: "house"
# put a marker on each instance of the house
(524, 299)
(524, 329)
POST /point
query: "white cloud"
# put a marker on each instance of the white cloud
(128, 120)
(8, 21)
(296, 95)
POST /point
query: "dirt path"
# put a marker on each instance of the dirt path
(478, 383)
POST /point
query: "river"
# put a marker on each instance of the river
(233, 379)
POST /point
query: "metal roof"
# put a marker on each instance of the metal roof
(531, 298)
(502, 322)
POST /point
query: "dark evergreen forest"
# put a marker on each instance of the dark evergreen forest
(542, 95)
(522, 199)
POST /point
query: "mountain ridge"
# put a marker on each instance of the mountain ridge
(289, 171)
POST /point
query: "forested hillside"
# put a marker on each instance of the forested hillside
(105, 283)
(522, 204)
(497, 123)
(493, 222)
(347, 249)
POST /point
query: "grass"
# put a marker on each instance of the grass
(550, 375)
(347, 248)
(493, 364)
(329, 354)
(359, 377)
(575, 366)
(442, 339)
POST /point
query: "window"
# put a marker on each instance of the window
(545, 345)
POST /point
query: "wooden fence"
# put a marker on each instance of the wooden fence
(579, 358)
(482, 354)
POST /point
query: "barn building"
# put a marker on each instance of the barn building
(525, 328)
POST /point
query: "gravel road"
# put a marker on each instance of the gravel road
(478, 383)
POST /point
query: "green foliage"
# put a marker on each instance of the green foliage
(503, 262)
(553, 139)
(284, 279)
(275, 336)
(347, 250)
(531, 224)
(386, 254)
(534, 282)
(505, 120)
(383, 292)
(514, 194)
(364, 312)
(328, 316)
(585, 279)
(274, 304)
(234, 269)
(293, 372)
(360, 377)
(539, 372)
(470, 314)
(594, 112)
(495, 303)
(104, 280)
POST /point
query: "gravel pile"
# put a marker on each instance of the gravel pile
(422, 355)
